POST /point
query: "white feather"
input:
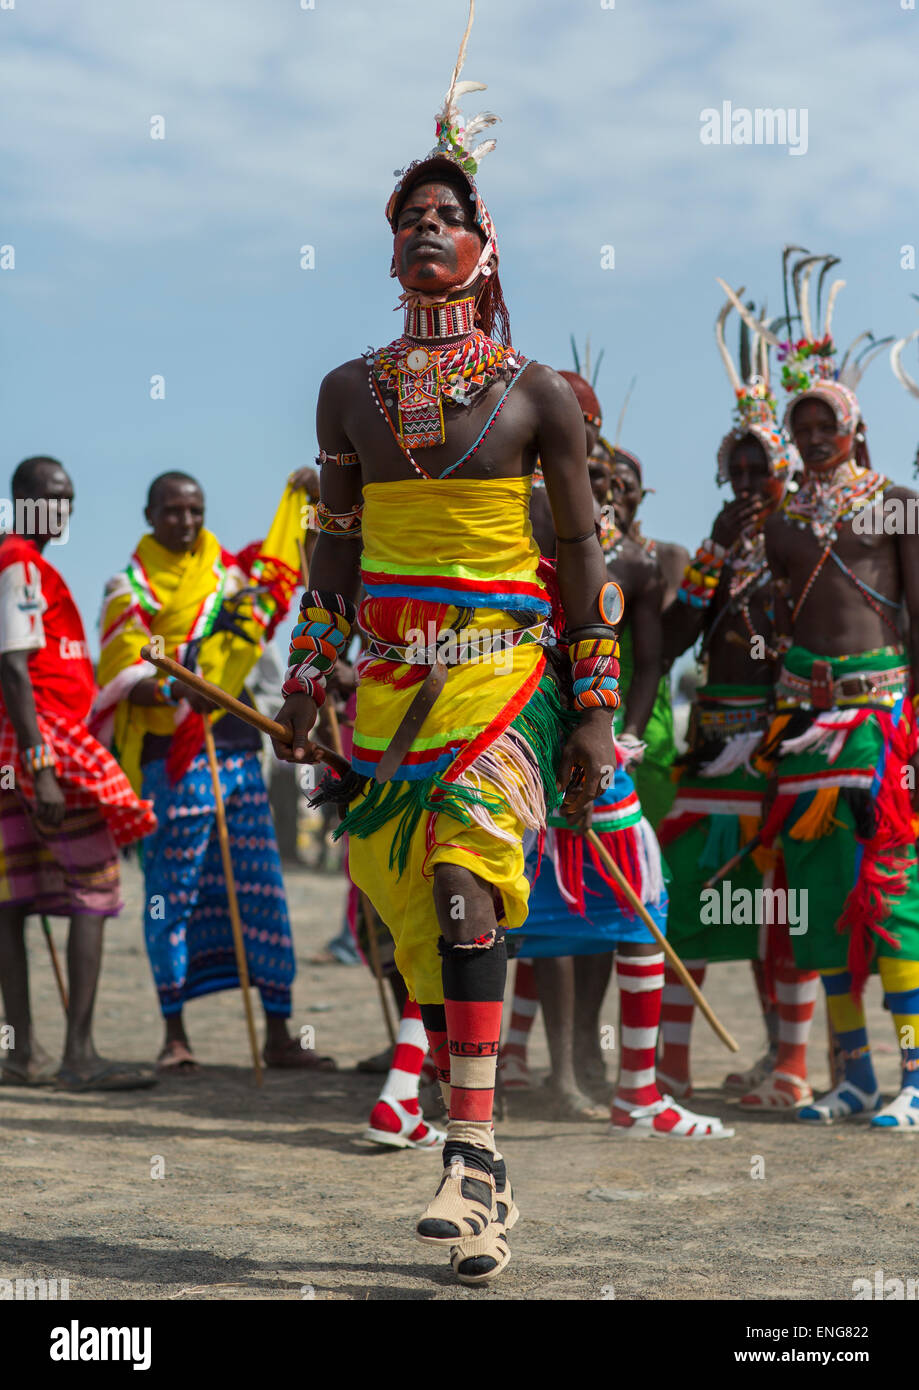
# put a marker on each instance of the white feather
(899, 370)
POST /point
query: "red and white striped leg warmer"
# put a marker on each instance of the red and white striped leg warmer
(677, 1010)
(796, 996)
(641, 984)
(404, 1074)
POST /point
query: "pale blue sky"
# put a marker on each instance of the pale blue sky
(283, 126)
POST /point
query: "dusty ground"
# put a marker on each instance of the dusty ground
(269, 1194)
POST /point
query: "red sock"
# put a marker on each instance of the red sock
(677, 1009)
(796, 996)
(435, 1026)
(405, 1071)
(641, 985)
(473, 1028)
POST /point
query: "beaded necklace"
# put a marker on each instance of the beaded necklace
(611, 538)
(421, 376)
(749, 571)
(821, 506)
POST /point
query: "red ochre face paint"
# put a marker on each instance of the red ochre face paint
(436, 246)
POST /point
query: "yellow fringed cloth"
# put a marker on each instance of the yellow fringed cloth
(214, 612)
(457, 556)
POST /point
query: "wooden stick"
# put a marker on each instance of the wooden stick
(235, 921)
(233, 706)
(734, 860)
(662, 941)
(55, 963)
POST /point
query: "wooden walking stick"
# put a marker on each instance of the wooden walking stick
(243, 712)
(235, 922)
(662, 941)
(55, 962)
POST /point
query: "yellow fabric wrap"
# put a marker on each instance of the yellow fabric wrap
(176, 597)
(431, 551)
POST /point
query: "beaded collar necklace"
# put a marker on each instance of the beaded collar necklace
(821, 504)
(611, 538)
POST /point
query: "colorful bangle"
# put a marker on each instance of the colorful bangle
(166, 688)
(318, 639)
(38, 758)
(702, 575)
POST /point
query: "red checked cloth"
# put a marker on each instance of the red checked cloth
(88, 775)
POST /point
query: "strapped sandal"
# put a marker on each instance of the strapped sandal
(845, 1101)
(478, 1259)
(780, 1090)
(414, 1132)
(462, 1206)
(664, 1119)
(514, 1072)
(901, 1114)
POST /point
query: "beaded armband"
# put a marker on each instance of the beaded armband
(347, 524)
(318, 640)
(700, 578)
(340, 460)
(38, 758)
(595, 671)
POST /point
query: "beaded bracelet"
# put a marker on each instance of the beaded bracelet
(701, 576)
(38, 758)
(166, 689)
(595, 672)
(347, 524)
(317, 641)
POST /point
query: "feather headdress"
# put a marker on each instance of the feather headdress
(456, 151)
(755, 408)
(809, 365)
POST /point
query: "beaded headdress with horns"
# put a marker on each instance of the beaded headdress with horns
(755, 408)
(809, 367)
(456, 152)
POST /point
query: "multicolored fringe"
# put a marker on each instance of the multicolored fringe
(529, 747)
(881, 807)
(633, 849)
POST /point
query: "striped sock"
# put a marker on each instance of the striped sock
(796, 997)
(641, 984)
(405, 1071)
(766, 1001)
(847, 1016)
(677, 1010)
(900, 979)
(523, 1012)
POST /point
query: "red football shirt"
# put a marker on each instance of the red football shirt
(38, 616)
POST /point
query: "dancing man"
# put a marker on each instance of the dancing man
(428, 446)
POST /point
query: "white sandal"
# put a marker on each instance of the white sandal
(779, 1090)
(490, 1251)
(901, 1114)
(846, 1101)
(464, 1202)
(686, 1126)
(414, 1131)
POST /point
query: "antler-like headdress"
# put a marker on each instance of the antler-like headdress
(755, 408)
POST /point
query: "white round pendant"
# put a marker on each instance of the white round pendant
(417, 359)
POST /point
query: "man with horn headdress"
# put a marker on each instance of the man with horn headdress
(427, 451)
(843, 740)
(726, 601)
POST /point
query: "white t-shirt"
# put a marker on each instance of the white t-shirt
(21, 607)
